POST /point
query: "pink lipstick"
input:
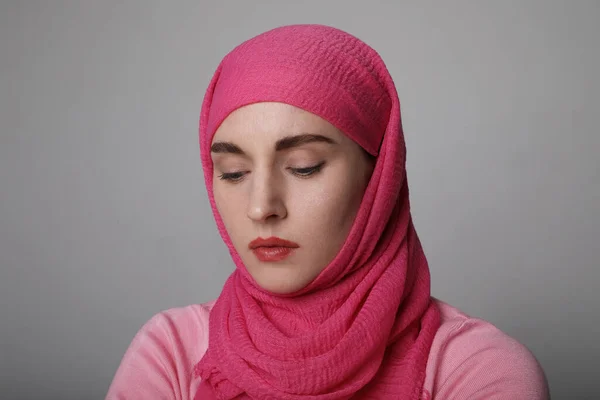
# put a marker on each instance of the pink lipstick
(272, 249)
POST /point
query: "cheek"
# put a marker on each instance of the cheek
(328, 209)
(230, 208)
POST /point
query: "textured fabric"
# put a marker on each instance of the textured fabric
(470, 359)
(363, 328)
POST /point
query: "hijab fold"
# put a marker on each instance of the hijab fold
(364, 327)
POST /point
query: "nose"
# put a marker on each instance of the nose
(266, 198)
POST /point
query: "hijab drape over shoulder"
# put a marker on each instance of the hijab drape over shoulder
(363, 328)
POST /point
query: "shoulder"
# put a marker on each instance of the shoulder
(184, 322)
(162, 354)
(471, 358)
(183, 331)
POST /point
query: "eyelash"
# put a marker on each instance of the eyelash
(299, 172)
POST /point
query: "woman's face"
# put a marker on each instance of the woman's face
(282, 172)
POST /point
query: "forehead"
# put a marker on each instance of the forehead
(269, 121)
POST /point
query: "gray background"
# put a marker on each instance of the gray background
(103, 215)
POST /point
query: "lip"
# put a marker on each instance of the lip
(272, 249)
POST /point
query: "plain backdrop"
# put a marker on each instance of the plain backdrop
(104, 219)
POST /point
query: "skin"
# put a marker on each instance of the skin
(307, 191)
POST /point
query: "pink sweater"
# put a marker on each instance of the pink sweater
(470, 359)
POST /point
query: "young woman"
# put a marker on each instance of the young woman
(304, 162)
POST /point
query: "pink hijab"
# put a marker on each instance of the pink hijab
(363, 328)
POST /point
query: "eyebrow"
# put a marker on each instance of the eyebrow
(285, 143)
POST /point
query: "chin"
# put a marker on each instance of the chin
(279, 282)
(276, 287)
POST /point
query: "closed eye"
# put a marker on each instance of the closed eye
(307, 171)
(300, 172)
(232, 176)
